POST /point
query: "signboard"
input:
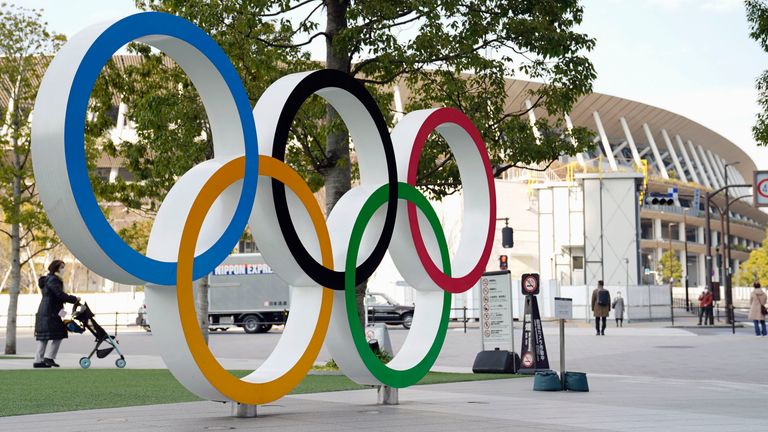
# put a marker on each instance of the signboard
(530, 283)
(760, 195)
(563, 308)
(496, 311)
(533, 353)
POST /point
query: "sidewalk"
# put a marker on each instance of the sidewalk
(616, 403)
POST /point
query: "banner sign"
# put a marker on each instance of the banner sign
(533, 354)
(241, 269)
(496, 311)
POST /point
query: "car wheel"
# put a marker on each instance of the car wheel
(407, 320)
(252, 324)
(266, 327)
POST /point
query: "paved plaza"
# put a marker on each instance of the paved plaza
(643, 377)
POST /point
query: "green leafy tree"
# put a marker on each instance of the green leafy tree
(754, 269)
(669, 267)
(449, 53)
(24, 44)
(757, 16)
(441, 50)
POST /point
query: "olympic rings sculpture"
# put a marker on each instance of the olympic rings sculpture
(247, 183)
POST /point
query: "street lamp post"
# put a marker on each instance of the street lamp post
(708, 234)
(727, 250)
(685, 260)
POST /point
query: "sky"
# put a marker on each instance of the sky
(692, 57)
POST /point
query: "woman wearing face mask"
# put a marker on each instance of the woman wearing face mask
(49, 328)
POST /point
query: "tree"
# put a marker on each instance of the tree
(438, 47)
(757, 16)
(25, 45)
(754, 269)
(669, 267)
(173, 132)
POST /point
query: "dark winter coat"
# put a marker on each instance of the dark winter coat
(48, 324)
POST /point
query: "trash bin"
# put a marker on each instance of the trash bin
(576, 381)
(546, 381)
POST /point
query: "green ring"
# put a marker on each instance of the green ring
(387, 376)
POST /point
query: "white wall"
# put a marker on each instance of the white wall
(611, 228)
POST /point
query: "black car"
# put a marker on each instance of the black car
(382, 309)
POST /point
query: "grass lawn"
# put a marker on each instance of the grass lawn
(51, 390)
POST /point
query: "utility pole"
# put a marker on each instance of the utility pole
(685, 261)
(727, 249)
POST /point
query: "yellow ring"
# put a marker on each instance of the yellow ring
(226, 383)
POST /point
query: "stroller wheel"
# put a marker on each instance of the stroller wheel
(120, 363)
(85, 362)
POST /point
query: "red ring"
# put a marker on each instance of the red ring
(458, 284)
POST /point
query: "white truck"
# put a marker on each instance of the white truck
(244, 292)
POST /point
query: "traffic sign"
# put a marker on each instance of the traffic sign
(760, 195)
(530, 283)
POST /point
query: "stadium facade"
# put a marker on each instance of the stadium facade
(585, 217)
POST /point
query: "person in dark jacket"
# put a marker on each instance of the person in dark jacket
(49, 328)
(601, 307)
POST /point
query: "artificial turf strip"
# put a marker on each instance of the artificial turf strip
(51, 390)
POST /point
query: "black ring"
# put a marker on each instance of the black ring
(308, 86)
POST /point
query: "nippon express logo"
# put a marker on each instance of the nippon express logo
(241, 269)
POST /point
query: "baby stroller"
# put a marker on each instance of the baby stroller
(82, 313)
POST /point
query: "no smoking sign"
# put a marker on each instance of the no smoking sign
(761, 189)
(530, 284)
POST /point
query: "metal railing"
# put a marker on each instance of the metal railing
(114, 320)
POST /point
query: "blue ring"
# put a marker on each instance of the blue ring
(115, 36)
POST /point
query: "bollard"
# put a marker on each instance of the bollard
(388, 396)
(465, 319)
(242, 410)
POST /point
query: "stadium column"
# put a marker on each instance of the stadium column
(702, 171)
(688, 164)
(631, 141)
(657, 156)
(673, 153)
(604, 140)
(712, 178)
(579, 156)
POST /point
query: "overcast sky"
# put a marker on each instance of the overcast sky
(692, 57)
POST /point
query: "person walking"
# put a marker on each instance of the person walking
(618, 309)
(705, 306)
(757, 301)
(601, 307)
(49, 327)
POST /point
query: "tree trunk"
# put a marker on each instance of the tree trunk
(338, 176)
(201, 305)
(338, 179)
(10, 327)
